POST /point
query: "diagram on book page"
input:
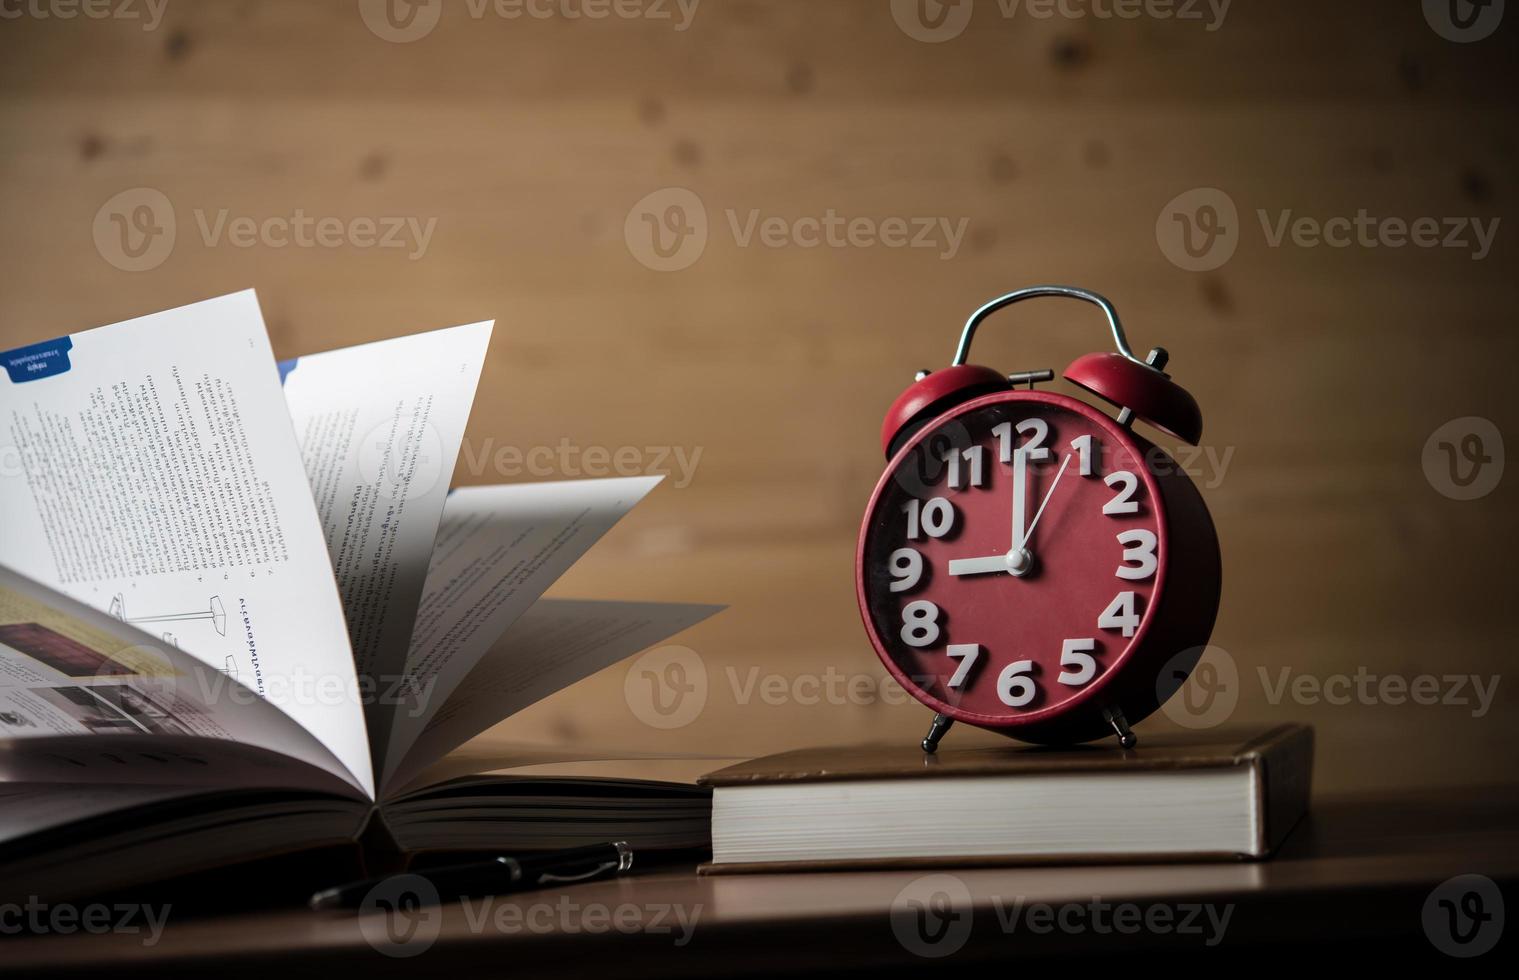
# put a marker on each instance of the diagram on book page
(216, 615)
(157, 478)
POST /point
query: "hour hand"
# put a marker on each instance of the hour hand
(1013, 563)
(977, 566)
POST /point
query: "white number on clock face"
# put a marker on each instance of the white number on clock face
(1035, 432)
(1139, 548)
(1120, 615)
(906, 565)
(1086, 451)
(1014, 686)
(935, 518)
(972, 460)
(1124, 503)
(966, 653)
(1078, 663)
(920, 623)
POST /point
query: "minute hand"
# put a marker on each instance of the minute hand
(1048, 494)
(1020, 502)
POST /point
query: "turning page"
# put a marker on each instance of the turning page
(380, 427)
(150, 470)
(554, 644)
(498, 549)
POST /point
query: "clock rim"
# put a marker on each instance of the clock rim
(1131, 652)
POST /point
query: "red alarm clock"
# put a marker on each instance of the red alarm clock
(1028, 563)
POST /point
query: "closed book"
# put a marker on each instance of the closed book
(1182, 796)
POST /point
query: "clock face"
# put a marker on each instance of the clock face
(1010, 558)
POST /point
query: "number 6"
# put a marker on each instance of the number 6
(1014, 686)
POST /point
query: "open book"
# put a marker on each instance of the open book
(242, 612)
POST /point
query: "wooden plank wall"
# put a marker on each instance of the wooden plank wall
(1321, 371)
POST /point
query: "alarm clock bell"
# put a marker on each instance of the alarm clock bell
(1137, 388)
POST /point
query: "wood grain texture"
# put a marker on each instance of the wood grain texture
(1358, 869)
(1321, 372)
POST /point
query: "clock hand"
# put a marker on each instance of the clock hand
(1048, 494)
(1020, 502)
(1017, 563)
(978, 566)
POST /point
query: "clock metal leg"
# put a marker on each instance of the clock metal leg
(1126, 736)
(936, 732)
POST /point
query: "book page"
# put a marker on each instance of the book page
(498, 549)
(74, 679)
(554, 644)
(380, 427)
(149, 469)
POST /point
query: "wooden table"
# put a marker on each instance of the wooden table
(1355, 876)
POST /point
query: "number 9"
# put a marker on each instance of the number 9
(906, 566)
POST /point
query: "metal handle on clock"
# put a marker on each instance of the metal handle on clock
(1069, 292)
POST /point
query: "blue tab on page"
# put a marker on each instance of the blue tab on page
(36, 361)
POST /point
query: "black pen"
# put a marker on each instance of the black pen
(495, 876)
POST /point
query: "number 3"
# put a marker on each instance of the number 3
(1139, 548)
